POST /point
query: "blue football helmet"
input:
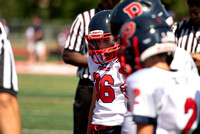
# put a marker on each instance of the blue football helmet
(128, 9)
(139, 42)
(99, 29)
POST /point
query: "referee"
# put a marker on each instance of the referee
(9, 109)
(76, 53)
(187, 32)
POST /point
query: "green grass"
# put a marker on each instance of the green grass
(49, 58)
(20, 58)
(46, 103)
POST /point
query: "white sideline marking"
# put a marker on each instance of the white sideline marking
(45, 68)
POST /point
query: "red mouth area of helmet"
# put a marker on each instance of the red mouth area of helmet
(101, 56)
(106, 55)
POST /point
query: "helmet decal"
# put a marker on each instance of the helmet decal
(159, 20)
(133, 9)
(167, 37)
(128, 30)
(96, 34)
(129, 9)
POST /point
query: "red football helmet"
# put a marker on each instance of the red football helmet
(98, 30)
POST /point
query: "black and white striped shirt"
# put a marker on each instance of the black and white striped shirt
(187, 36)
(76, 39)
(8, 75)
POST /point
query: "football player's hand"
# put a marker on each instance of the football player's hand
(123, 89)
(196, 57)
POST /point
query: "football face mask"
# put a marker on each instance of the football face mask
(101, 54)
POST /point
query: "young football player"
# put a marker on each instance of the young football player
(120, 14)
(162, 100)
(109, 104)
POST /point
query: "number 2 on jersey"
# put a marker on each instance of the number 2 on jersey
(190, 104)
(104, 92)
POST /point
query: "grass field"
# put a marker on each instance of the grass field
(46, 103)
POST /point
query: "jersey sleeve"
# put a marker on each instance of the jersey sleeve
(92, 67)
(185, 64)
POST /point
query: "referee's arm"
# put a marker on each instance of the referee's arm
(10, 122)
(75, 42)
(75, 58)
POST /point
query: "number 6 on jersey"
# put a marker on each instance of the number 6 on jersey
(104, 92)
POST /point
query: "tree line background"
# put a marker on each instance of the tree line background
(56, 14)
(66, 10)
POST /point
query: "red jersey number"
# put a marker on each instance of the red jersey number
(190, 104)
(137, 93)
(104, 92)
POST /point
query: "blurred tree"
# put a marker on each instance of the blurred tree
(49, 9)
(58, 13)
(67, 9)
(70, 8)
(179, 7)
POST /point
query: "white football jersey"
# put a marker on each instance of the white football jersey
(128, 126)
(182, 61)
(110, 105)
(166, 98)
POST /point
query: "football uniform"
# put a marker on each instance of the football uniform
(129, 126)
(184, 64)
(178, 63)
(110, 104)
(169, 100)
(8, 74)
